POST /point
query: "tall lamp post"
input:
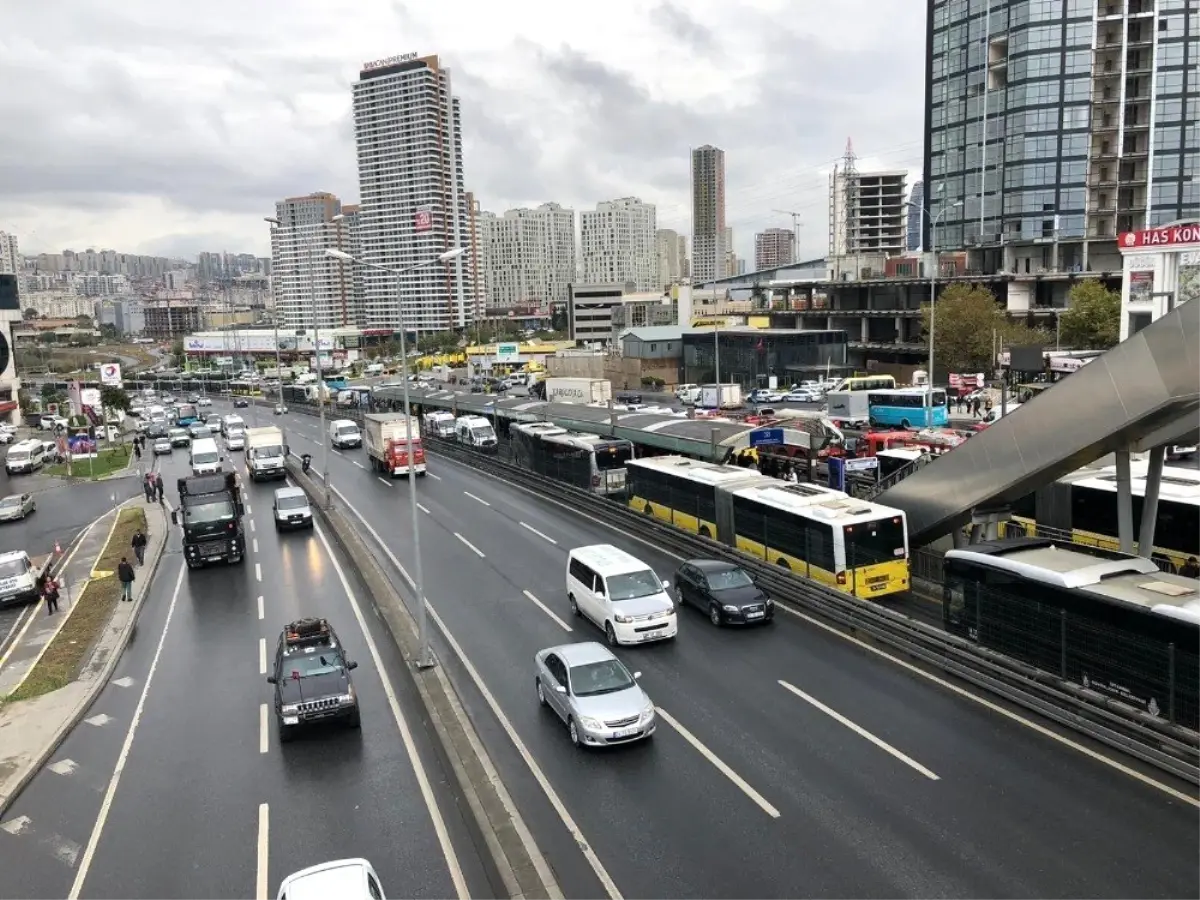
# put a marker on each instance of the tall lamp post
(933, 273)
(424, 655)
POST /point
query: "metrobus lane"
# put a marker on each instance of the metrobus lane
(711, 814)
(806, 695)
(378, 791)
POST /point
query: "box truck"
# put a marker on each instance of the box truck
(390, 439)
(578, 390)
(266, 454)
(725, 396)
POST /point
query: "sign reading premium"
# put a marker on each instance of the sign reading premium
(1168, 236)
(390, 61)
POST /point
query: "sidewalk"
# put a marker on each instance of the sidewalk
(31, 730)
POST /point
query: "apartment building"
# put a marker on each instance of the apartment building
(10, 254)
(774, 248)
(528, 256)
(617, 244)
(124, 314)
(308, 285)
(51, 305)
(408, 134)
(171, 318)
(708, 214)
(671, 248)
(868, 219)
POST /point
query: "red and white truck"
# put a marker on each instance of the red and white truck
(390, 437)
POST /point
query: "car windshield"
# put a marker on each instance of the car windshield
(482, 432)
(266, 452)
(728, 579)
(633, 585)
(596, 678)
(13, 568)
(295, 502)
(347, 429)
(18, 456)
(204, 459)
(305, 665)
(201, 431)
(207, 513)
(10, 502)
(178, 432)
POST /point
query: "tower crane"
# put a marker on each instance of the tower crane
(795, 227)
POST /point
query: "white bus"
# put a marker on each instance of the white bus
(588, 461)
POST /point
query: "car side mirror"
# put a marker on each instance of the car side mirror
(637, 675)
(351, 665)
(560, 689)
(271, 679)
(666, 584)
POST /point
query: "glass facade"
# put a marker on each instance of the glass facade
(750, 357)
(1175, 148)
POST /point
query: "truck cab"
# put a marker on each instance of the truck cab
(210, 513)
(21, 577)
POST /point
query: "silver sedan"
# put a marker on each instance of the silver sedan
(594, 694)
(16, 506)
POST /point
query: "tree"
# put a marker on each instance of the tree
(1093, 321)
(30, 313)
(112, 400)
(968, 323)
(84, 322)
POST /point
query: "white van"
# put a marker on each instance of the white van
(439, 423)
(232, 422)
(475, 431)
(206, 458)
(344, 433)
(374, 369)
(27, 456)
(620, 594)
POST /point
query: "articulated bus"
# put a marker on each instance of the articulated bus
(1083, 506)
(867, 383)
(589, 461)
(186, 414)
(850, 545)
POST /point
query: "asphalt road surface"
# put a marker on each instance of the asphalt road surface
(789, 760)
(184, 718)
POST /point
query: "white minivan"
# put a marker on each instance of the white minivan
(620, 594)
(206, 457)
(27, 456)
(344, 433)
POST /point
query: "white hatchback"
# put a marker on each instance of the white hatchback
(620, 594)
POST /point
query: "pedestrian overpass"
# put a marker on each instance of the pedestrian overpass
(1139, 396)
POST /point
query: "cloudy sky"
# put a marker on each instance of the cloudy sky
(170, 127)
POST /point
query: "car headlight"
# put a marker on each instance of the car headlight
(290, 709)
(346, 698)
(589, 722)
(647, 713)
(624, 620)
(730, 608)
(770, 602)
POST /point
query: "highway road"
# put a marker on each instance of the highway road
(790, 760)
(186, 723)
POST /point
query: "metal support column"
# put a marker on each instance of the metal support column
(1124, 502)
(1158, 458)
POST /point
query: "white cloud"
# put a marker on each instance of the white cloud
(155, 126)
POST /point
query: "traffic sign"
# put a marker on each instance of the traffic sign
(507, 351)
(765, 437)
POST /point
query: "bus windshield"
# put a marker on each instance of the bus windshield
(613, 456)
(868, 543)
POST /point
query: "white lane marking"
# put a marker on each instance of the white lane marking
(384, 480)
(860, 731)
(248, 509)
(264, 738)
(260, 606)
(262, 887)
(258, 571)
(434, 477)
(720, 764)
(254, 544)
(435, 813)
(907, 666)
(99, 720)
(477, 499)
(252, 526)
(18, 825)
(125, 682)
(544, 537)
(338, 452)
(66, 851)
(262, 656)
(423, 508)
(63, 767)
(360, 465)
(544, 608)
(478, 552)
(106, 805)
(564, 816)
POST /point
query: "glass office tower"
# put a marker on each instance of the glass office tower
(1059, 124)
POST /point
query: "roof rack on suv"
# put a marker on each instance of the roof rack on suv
(306, 632)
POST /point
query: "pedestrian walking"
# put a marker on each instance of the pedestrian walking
(137, 450)
(50, 593)
(159, 489)
(148, 486)
(139, 546)
(125, 576)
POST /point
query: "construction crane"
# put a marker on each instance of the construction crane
(795, 228)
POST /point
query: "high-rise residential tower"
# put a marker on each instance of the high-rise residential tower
(308, 285)
(708, 214)
(617, 244)
(528, 256)
(671, 248)
(408, 134)
(10, 256)
(774, 248)
(1055, 125)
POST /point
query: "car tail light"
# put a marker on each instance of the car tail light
(841, 579)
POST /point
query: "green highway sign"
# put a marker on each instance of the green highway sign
(507, 351)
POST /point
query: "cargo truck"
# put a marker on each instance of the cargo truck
(266, 453)
(390, 439)
(578, 390)
(725, 396)
(210, 512)
(21, 576)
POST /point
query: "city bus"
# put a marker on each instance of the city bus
(588, 461)
(1110, 622)
(908, 408)
(1082, 506)
(186, 414)
(853, 546)
(866, 383)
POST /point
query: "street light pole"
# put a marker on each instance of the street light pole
(424, 654)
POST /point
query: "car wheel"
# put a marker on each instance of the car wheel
(541, 694)
(573, 731)
(574, 606)
(286, 734)
(355, 720)
(609, 634)
(714, 615)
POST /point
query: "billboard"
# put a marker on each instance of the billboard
(249, 342)
(423, 220)
(1167, 236)
(110, 374)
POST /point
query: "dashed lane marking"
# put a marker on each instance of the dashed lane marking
(127, 681)
(260, 606)
(547, 610)
(258, 571)
(99, 720)
(477, 499)
(423, 508)
(64, 850)
(544, 537)
(470, 546)
(384, 480)
(63, 767)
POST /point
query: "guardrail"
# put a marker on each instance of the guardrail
(1168, 747)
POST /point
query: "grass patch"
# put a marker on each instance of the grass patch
(92, 609)
(107, 461)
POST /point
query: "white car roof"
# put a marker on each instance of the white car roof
(345, 879)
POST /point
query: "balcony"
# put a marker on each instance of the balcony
(1105, 124)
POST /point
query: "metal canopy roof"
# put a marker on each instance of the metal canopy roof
(710, 439)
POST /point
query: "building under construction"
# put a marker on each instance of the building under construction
(867, 219)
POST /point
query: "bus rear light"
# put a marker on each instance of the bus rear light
(841, 578)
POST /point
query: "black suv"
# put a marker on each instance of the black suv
(312, 679)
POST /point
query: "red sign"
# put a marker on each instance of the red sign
(1170, 236)
(423, 220)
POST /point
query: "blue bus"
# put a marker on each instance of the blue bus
(908, 408)
(337, 383)
(186, 414)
